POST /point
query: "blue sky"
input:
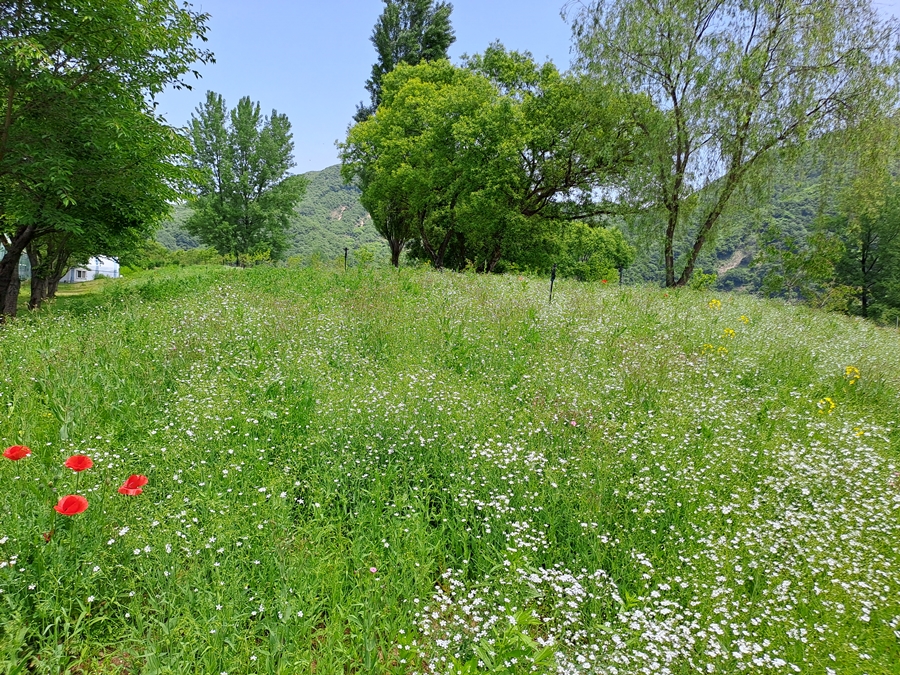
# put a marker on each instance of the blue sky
(310, 59)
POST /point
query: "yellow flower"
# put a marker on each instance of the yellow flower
(729, 333)
(715, 304)
(852, 374)
(745, 318)
(723, 351)
(826, 406)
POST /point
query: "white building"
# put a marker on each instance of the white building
(108, 267)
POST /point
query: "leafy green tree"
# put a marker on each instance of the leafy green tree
(739, 80)
(244, 196)
(418, 158)
(103, 233)
(871, 255)
(868, 219)
(78, 137)
(408, 31)
(577, 143)
(802, 268)
(594, 253)
(474, 165)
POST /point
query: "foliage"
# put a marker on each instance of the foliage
(81, 150)
(739, 81)
(869, 259)
(482, 164)
(408, 31)
(397, 471)
(868, 220)
(152, 255)
(419, 157)
(327, 219)
(244, 195)
(594, 253)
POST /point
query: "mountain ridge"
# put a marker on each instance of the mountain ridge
(327, 219)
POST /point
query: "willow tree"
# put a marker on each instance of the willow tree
(740, 80)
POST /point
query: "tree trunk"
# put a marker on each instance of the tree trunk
(49, 258)
(52, 286)
(10, 283)
(491, 263)
(396, 249)
(38, 275)
(40, 289)
(9, 269)
(670, 246)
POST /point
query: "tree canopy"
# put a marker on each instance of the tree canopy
(738, 81)
(81, 147)
(408, 31)
(244, 195)
(481, 164)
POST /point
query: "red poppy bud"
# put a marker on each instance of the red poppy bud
(79, 462)
(133, 485)
(71, 505)
(16, 452)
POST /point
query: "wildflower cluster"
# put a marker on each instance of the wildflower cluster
(435, 473)
(826, 405)
(72, 505)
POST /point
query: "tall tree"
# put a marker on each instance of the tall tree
(739, 80)
(408, 31)
(484, 163)
(78, 136)
(871, 260)
(868, 219)
(244, 195)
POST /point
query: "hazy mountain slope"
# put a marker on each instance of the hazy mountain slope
(328, 219)
(796, 199)
(172, 234)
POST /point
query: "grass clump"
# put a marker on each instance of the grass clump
(415, 472)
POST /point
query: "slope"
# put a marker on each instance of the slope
(328, 219)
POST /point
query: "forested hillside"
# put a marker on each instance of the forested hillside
(784, 218)
(758, 247)
(328, 219)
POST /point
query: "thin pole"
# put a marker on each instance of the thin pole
(345, 258)
(552, 279)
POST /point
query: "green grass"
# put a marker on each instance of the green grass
(415, 472)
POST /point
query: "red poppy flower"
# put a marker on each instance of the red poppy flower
(133, 485)
(79, 462)
(603, 281)
(16, 452)
(71, 505)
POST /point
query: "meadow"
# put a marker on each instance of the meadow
(420, 472)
